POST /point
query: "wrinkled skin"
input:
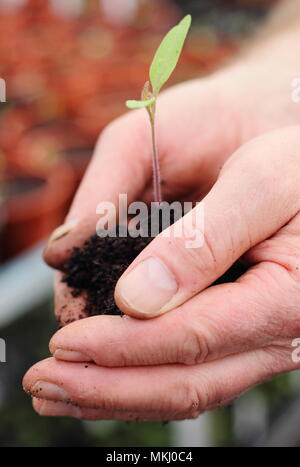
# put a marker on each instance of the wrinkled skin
(231, 139)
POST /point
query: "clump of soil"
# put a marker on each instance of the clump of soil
(95, 269)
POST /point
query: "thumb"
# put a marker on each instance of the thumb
(255, 195)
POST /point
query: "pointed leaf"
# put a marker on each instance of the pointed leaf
(168, 53)
(140, 104)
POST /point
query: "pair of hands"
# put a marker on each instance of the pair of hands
(232, 140)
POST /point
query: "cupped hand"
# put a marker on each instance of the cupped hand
(215, 343)
(199, 124)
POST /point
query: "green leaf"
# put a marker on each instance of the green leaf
(140, 104)
(168, 53)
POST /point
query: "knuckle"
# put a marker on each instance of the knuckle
(200, 259)
(194, 347)
(281, 156)
(292, 319)
(189, 401)
(279, 169)
(292, 308)
(276, 360)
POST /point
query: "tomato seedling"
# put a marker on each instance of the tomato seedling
(162, 67)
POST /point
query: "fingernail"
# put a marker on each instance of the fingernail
(148, 287)
(71, 356)
(61, 231)
(46, 390)
(59, 409)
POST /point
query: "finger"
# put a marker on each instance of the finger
(108, 175)
(260, 308)
(282, 248)
(61, 409)
(177, 390)
(256, 194)
(68, 308)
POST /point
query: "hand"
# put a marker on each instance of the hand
(216, 342)
(221, 340)
(199, 124)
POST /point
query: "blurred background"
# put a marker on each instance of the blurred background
(69, 65)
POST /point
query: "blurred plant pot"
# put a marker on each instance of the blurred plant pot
(41, 148)
(14, 121)
(35, 204)
(122, 73)
(82, 80)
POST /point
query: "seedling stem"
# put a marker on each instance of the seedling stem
(163, 65)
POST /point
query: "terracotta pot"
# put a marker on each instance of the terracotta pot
(40, 148)
(35, 204)
(119, 74)
(14, 121)
(79, 82)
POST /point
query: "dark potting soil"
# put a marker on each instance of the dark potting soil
(95, 269)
